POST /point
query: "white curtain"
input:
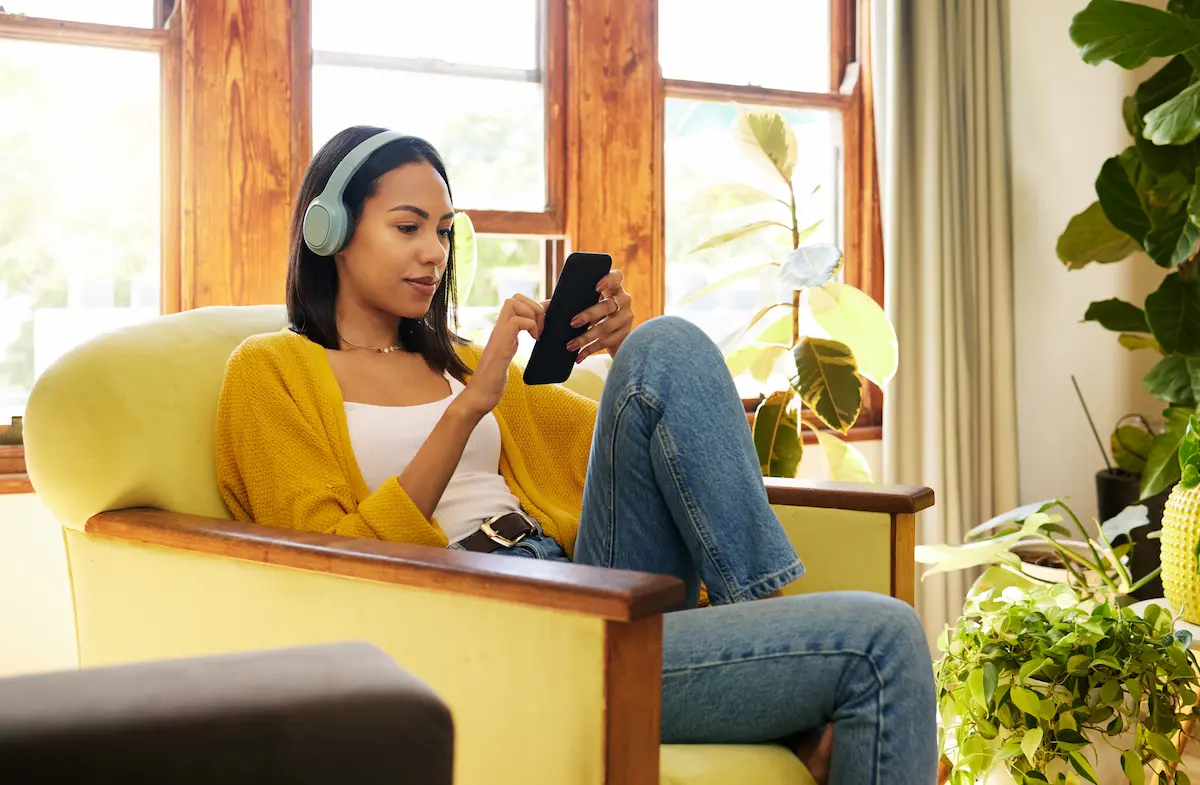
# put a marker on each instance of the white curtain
(950, 412)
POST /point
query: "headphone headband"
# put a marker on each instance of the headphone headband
(326, 220)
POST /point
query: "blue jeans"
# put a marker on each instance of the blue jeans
(674, 488)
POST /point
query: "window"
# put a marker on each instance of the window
(80, 246)
(480, 93)
(126, 13)
(788, 56)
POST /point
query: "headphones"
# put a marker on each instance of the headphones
(326, 221)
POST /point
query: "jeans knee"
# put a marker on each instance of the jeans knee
(670, 333)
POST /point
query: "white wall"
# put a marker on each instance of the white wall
(1065, 121)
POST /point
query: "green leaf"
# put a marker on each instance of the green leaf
(1132, 766)
(1189, 448)
(733, 234)
(1120, 201)
(1177, 121)
(1162, 465)
(1130, 446)
(1188, 8)
(811, 265)
(760, 359)
(1070, 739)
(1033, 778)
(766, 138)
(1163, 160)
(1078, 663)
(1181, 778)
(1132, 517)
(1166, 83)
(1129, 34)
(846, 463)
(1173, 242)
(975, 687)
(1031, 667)
(1090, 237)
(466, 256)
(1133, 342)
(1081, 765)
(1012, 516)
(776, 439)
(733, 339)
(828, 382)
(1026, 700)
(1163, 747)
(1170, 192)
(990, 678)
(1193, 205)
(1173, 313)
(850, 316)
(724, 281)
(1175, 379)
(1030, 743)
(1117, 315)
(727, 196)
(1110, 692)
(1189, 477)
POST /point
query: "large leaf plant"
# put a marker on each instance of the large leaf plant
(847, 336)
(1148, 200)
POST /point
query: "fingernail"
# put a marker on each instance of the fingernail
(572, 346)
(577, 321)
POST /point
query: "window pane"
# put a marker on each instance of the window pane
(700, 152)
(506, 266)
(500, 33)
(79, 246)
(127, 13)
(491, 133)
(768, 43)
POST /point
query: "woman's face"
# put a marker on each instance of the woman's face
(397, 257)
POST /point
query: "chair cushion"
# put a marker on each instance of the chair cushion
(731, 764)
(128, 418)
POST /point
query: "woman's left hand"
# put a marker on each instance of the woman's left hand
(610, 320)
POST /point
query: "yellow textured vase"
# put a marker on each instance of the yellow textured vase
(1180, 532)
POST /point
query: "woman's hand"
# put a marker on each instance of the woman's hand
(482, 393)
(610, 320)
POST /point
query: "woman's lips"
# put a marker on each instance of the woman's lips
(426, 286)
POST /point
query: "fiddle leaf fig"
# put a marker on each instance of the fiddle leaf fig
(1130, 34)
(1091, 237)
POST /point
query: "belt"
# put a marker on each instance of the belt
(500, 531)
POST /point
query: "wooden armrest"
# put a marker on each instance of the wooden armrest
(862, 497)
(616, 595)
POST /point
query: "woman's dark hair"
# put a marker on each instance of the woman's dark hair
(312, 280)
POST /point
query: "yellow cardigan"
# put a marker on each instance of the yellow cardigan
(284, 456)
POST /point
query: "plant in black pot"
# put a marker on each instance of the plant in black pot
(1148, 209)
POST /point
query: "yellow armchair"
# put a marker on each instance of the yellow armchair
(552, 671)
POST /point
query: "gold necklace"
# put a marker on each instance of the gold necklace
(384, 350)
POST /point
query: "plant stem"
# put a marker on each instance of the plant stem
(1146, 579)
(1091, 422)
(795, 245)
(1067, 555)
(1087, 538)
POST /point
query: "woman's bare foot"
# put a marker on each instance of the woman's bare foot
(816, 753)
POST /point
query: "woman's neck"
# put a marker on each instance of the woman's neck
(365, 326)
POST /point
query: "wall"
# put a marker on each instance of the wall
(1065, 121)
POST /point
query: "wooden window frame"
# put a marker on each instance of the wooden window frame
(850, 95)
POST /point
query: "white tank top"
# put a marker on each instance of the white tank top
(385, 439)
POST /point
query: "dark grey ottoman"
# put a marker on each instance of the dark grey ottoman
(343, 713)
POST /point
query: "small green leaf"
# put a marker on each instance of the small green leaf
(1120, 201)
(1181, 778)
(765, 137)
(1189, 477)
(1031, 667)
(1081, 765)
(1132, 766)
(1091, 237)
(847, 464)
(1163, 747)
(1130, 446)
(975, 686)
(1134, 342)
(733, 234)
(1110, 692)
(760, 359)
(1173, 314)
(828, 382)
(1165, 84)
(1162, 465)
(1078, 663)
(1026, 700)
(1175, 379)
(1177, 121)
(1130, 35)
(1173, 241)
(1066, 721)
(776, 439)
(811, 265)
(990, 678)
(1030, 743)
(850, 316)
(1033, 778)
(1117, 315)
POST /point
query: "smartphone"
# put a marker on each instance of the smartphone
(551, 361)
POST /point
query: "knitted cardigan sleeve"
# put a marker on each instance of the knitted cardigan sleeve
(280, 463)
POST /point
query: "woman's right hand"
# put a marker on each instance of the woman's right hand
(482, 393)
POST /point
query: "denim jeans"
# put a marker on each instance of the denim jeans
(674, 487)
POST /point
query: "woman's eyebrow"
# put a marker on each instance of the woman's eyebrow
(448, 216)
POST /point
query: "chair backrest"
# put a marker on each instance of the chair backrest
(127, 419)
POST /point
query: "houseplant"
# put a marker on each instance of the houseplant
(1041, 685)
(1181, 530)
(848, 337)
(1148, 199)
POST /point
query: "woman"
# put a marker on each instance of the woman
(368, 418)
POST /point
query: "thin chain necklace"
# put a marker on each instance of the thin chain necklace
(384, 350)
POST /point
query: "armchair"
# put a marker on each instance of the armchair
(119, 445)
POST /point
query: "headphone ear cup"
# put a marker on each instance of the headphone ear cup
(325, 228)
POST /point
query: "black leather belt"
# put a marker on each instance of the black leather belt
(500, 531)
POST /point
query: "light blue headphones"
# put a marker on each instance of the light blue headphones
(326, 221)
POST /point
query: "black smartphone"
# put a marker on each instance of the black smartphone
(551, 361)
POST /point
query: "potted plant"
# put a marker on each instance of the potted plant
(1148, 199)
(848, 336)
(1039, 685)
